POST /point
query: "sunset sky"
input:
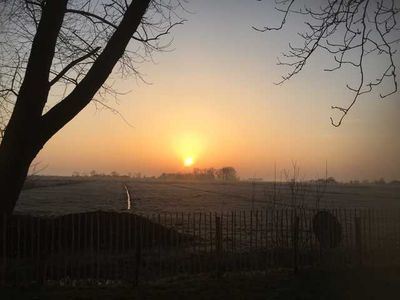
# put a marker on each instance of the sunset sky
(213, 99)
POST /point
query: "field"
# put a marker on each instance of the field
(63, 195)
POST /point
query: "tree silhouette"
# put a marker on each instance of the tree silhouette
(350, 31)
(64, 51)
(227, 174)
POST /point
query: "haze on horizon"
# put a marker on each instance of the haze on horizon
(213, 99)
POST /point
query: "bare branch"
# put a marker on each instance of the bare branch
(87, 27)
(72, 64)
(347, 30)
(286, 12)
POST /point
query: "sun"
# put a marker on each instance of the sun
(188, 161)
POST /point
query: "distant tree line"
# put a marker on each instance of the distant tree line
(330, 180)
(379, 181)
(207, 174)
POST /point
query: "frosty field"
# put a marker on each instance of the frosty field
(63, 195)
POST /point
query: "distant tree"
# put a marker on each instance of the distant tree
(328, 180)
(380, 181)
(331, 180)
(196, 174)
(210, 174)
(350, 32)
(114, 174)
(55, 56)
(227, 174)
(204, 174)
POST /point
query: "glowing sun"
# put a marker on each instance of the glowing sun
(188, 161)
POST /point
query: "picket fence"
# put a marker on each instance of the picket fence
(110, 247)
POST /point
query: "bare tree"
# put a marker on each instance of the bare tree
(55, 57)
(351, 31)
(296, 185)
(227, 174)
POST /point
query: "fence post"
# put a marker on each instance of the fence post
(138, 249)
(4, 250)
(266, 241)
(358, 240)
(39, 267)
(295, 243)
(218, 243)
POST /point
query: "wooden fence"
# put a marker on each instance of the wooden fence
(109, 247)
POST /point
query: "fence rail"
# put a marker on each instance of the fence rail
(100, 247)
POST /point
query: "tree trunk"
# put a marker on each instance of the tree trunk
(20, 143)
(16, 155)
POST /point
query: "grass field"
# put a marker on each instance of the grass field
(62, 195)
(351, 284)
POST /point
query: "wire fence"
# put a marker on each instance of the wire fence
(109, 247)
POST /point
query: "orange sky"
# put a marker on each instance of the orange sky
(213, 99)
